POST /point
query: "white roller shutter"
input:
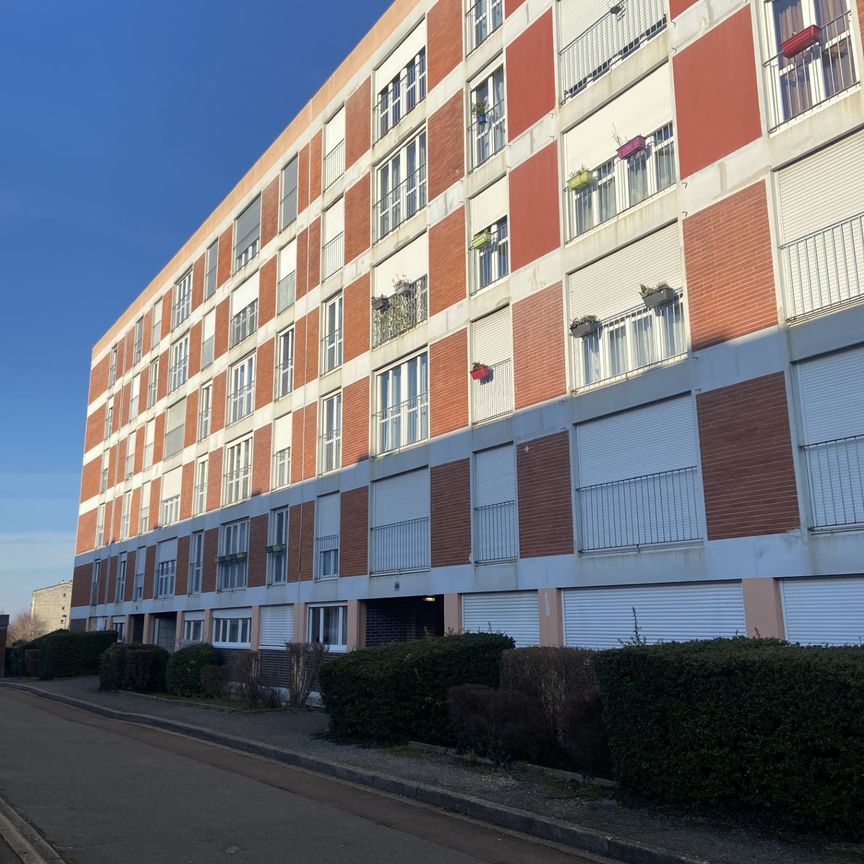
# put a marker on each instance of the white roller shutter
(489, 206)
(491, 339)
(288, 259)
(327, 517)
(282, 433)
(837, 174)
(244, 612)
(611, 285)
(603, 617)
(334, 130)
(277, 627)
(495, 476)
(171, 481)
(576, 16)
(245, 294)
(119, 619)
(515, 613)
(832, 396)
(167, 550)
(209, 326)
(412, 262)
(196, 615)
(401, 498)
(407, 49)
(334, 222)
(824, 611)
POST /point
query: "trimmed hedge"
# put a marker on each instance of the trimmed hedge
(133, 667)
(183, 673)
(397, 692)
(15, 654)
(64, 654)
(756, 728)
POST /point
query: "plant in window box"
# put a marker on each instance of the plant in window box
(656, 295)
(403, 285)
(796, 43)
(580, 179)
(276, 547)
(631, 147)
(381, 304)
(222, 559)
(481, 372)
(480, 110)
(584, 326)
(482, 239)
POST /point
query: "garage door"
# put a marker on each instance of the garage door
(515, 613)
(604, 617)
(824, 611)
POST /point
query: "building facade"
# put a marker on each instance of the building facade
(50, 606)
(541, 317)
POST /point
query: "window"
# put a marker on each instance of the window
(210, 271)
(125, 512)
(334, 147)
(138, 340)
(241, 389)
(247, 233)
(490, 254)
(333, 234)
(144, 509)
(277, 550)
(152, 382)
(179, 368)
(118, 625)
(208, 338)
(130, 455)
(156, 325)
(166, 568)
(135, 396)
(181, 302)
(288, 204)
(109, 418)
(233, 551)
(281, 452)
(120, 584)
(402, 94)
(401, 186)
(238, 471)
(287, 287)
(403, 404)
(244, 320)
(196, 561)
(284, 362)
(149, 440)
(331, 433)
(488, 132)
(94, 582)
(103, 474)
(235, 632)
(331, 341)
(175, 425)
(205, 402)
(100, 526)
(484, 17)
(170, 497)
(495, 528)
(140, 561)
(492, 356)
(327, 526)
(193, 629)
(112, 367)
(399, 535)
(199, 498)
(329, 624)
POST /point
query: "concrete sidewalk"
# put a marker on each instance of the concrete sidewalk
(547, 808)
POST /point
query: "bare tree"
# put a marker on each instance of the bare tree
(25, 627)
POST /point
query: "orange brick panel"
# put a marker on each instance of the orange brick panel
(85, 539)
(90, 475)
(155, 495)
(195, 349)
(450, 502)
(270, 211)
(538, 347)
(130, 575)
(217, 409)
(358, 208)
(224, 256)
(446, 145)
(166, 312)
(264, 373)
(357, 299)
(310, 440)
(220, 334)
(444, 39)
(95, 428)
(313, 264)
(267, 292)
(447, 250)
(190, 428)
(81, 577)
(148, 329)
(315, 165)
(261, 447)
(302, 283)
(139, 451)
(534, 196)
(299, 352)
(448, 388)
(530, 76)
(98, 379)
(307, 539)
(510, 6)
(257, 574)
(297, 445)
(135, 513)
(214, 479)
(545, 508)
(358, 122)
(303, 179)
(208, 569)
(162, 378)
(181, 581)
(676, 7)
(197, 283)
(355, 422)
(730, 278)
(715, 92)
(354, 532)
(747, 468)
(149, 572)
(158, 438)
(111, 582)
(187, 490)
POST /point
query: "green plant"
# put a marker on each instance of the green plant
(133, 667)
(304, 663)
(397, 692)
(183, 672)
(253, 690)
(64, 654)
(214, 681)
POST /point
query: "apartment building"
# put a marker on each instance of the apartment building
(543, 316)
(50, 606)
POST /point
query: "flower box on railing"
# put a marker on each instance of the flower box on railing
(222, 559)
(799, 41)
(481, 240)
(657, 295)
(480, 371)
(276, 547)
(480, 110)
(634, 145)
(584, 326)
(403, 286)
(580, 180)
(381, 304)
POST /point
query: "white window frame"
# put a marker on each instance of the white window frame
(238, 471)
(244, 323)
(332, 321)
(174, 444)
(232, 632)
(130, 455)
(112, 366)
(196, 562)
(193, 630)
(488, 132)
(199, 497)
(205, 410)
(287, 193)
(248, 246)
(400, 184)
(241, 389)
(125, 515)
(140, 566)
(109, 418)
(165, 579)
(232, 574)
(492, 261)
(178, 371)
(144, 509)
(138, 340)
(211, 272)
(156, 325)
(181, 300)
(153, 382)
(277, 559)
(330, 453)
(94, 582)
(402, 419)
(285, 362)
(401, 95)
(100, 526)
(120, 584)
(317, 631)
(481, 14)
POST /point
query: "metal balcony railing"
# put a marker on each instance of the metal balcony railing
(208, 347)
(402, 311)
(334, 164)
(170, 510)
(404, 424)
(199, 499)
(326, 557)
(824, 269)
(174, 440)
(496, 533)
(241, 402)
(640, 511)
(286, 291)
(401, 96)
(282, 468)
(236, 484)
(400, 547)
(332, 255)
(284, 377)
(491, 262)
(400, 203)
(243, 324)
(492, 396)
(331, 350)
(487, 134)
(483, 18)
(835, 470)
(610, 39)
(794, 85)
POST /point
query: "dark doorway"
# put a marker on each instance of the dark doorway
(403, 618)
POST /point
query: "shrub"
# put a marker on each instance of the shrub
(304, 664)
(65, 654)
(183, 673)
(133, 667)
(754, 727)
(31, 661)
(395, 692)
(214, 681)
(253, 691)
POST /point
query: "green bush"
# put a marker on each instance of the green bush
(183, 673)
(133, 667)
(15, 665)
(398, 692)
(756, 728)
(65, 654)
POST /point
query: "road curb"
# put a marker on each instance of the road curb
(24, 840)
(552, 830)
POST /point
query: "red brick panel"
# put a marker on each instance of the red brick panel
(167, 297)
(303, 179)
(220, 334)
(444, 39)
(190, 428)
(358, 208)
(301, 286)
(448, 386)
(270, 211)
(98, 379)
(730, 278)
(208, 569)
(261, 448)
(217, 409)
(224, 256)
(257, 559)
(306, 351)
(197, 283)
(310, 440)
(85, 539)
(214, 479)
(90, 478)
(545, 514)
(358, 122)
(716, 97)
(264, 373)
(187, 490)
(81, 577)
(138, 467)
(149, 572)
(676, 7)
(356, 299)
(181, 583)
(450, 502)
(195, 349)
(315, 165)
(301, 539)
(747, 468)
(129, 590)
(530, 76)
(354, 532)
(158, 438)
(297, 444)
(538, 347)
(355, 422)
(162, 379)
(110, 584)
(155, 497)
(95, 429)
(313, 261)
(446, 129)
(447, 250)
(510, 6)
(135, 512)
(534, 196)
(267, 292)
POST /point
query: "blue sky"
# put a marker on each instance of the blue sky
(123, 125)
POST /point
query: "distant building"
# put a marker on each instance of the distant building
(51, 605)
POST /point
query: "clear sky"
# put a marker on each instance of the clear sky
(123, 123)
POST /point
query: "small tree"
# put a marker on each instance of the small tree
(25, 627)
(304, 661)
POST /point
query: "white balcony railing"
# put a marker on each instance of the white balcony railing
(404, 424)
(286, 291)
(401, 312)
(331, 450)
(331, 350)
(835, 470)
(492, 395)
(241, 402)
(243, 324)
(401, 203)
(332, 255)
(284, 377)
(326, 558)
(496, 533)
(334, 164)
(487, 134)
(401, 96)
(400, 547)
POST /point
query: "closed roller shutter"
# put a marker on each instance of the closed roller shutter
(832, 396)
(489, 206)
(514, 613)
(410, 262)
(495, 480)
(277, 627)
(576, 16)
(242, 612)
(282, 433)
(245, 294)
(167, 550)
(327, 516)
(196, 615)
(334, 131)
(288, 259)
(491, 338)
(334, 221)
(824, 611)
(407, 49)
(603, 617)
(401, 498)
(171, 483)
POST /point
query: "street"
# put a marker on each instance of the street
(107, 792)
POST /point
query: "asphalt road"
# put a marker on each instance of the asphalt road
(107, 792)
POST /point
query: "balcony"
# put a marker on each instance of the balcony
(286, 291)
(487, 134)
(496, 533)
(608, 41)
(835, 470)
(327, 558)
(332, 255)
(823, 69)
(243, 324)
(400, 312)
(640, 511)
(491, 261)
(401, 96)
(404, 424)
(825, 269)
(492, 395)
(400, 547)
(334, 164)
(400, 203)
